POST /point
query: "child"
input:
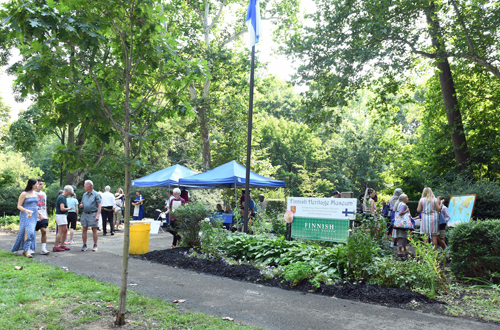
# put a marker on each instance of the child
(442, 227)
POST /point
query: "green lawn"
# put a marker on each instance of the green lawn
(42, 296)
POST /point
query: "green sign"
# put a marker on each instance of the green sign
(334, 230)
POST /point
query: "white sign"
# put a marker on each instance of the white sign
(324, 208)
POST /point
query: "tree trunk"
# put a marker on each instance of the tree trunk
(74, 178)
(202, 115)
(452, 108)
(205, 139)
(61, 173)
(71, 177)
(120, 316)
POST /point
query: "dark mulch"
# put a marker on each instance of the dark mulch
(386, 296)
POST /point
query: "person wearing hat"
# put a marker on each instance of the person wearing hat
(262, 204)
(336, 194)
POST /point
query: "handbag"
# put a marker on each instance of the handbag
(442, 220)
(404, 222)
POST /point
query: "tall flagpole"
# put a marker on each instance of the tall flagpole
(249, 143)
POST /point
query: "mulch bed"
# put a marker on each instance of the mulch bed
(385, 296)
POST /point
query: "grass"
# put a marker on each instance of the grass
(472, 302)
(38, 296)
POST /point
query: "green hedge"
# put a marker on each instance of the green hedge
(275, 206)
(475, 250)
(8, 200)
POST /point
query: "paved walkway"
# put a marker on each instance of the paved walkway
(252, 304)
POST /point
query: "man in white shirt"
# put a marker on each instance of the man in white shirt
(107, 210)
(261, 208)
(43, 219)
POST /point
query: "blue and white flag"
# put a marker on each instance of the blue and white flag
(253, 22)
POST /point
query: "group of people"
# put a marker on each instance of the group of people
(94, 206)
(433, 217)
(253, 208)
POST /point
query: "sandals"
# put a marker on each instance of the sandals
(27, 254)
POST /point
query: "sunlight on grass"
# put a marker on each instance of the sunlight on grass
(38, 295)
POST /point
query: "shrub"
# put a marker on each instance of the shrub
(475, 250)
(275, 206)
(278, 225)
(268, 250)
(8, 200)
(361, 250)
(432, 278)
(331, 261)
(189, 218)
(8, 220)
(297, 272)
(212, 234)
(389, 272)
(374, 226)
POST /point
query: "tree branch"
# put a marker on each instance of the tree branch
(460, 19)
(481, 61)
(231, 38)
(217, 17)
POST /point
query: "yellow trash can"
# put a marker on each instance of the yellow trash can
(139, 237)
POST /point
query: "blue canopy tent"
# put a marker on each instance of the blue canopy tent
(165, 178)
(229, 175)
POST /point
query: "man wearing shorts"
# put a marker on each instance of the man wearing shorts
(43, 219)
(91, 204)
(61, 219)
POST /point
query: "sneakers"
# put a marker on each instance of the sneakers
(30, 251)
(103, 234)
(95, 249)
(65, 247)
(112, 233)
(71, 242)
(84, 247)
(44, 252)
(58, 249)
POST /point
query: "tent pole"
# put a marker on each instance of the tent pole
(235, 197)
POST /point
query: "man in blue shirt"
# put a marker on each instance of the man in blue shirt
(252, 207)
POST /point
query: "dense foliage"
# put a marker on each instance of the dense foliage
(363, 258)
(475, 250)
(353, 127)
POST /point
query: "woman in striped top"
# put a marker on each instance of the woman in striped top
(430, 206)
